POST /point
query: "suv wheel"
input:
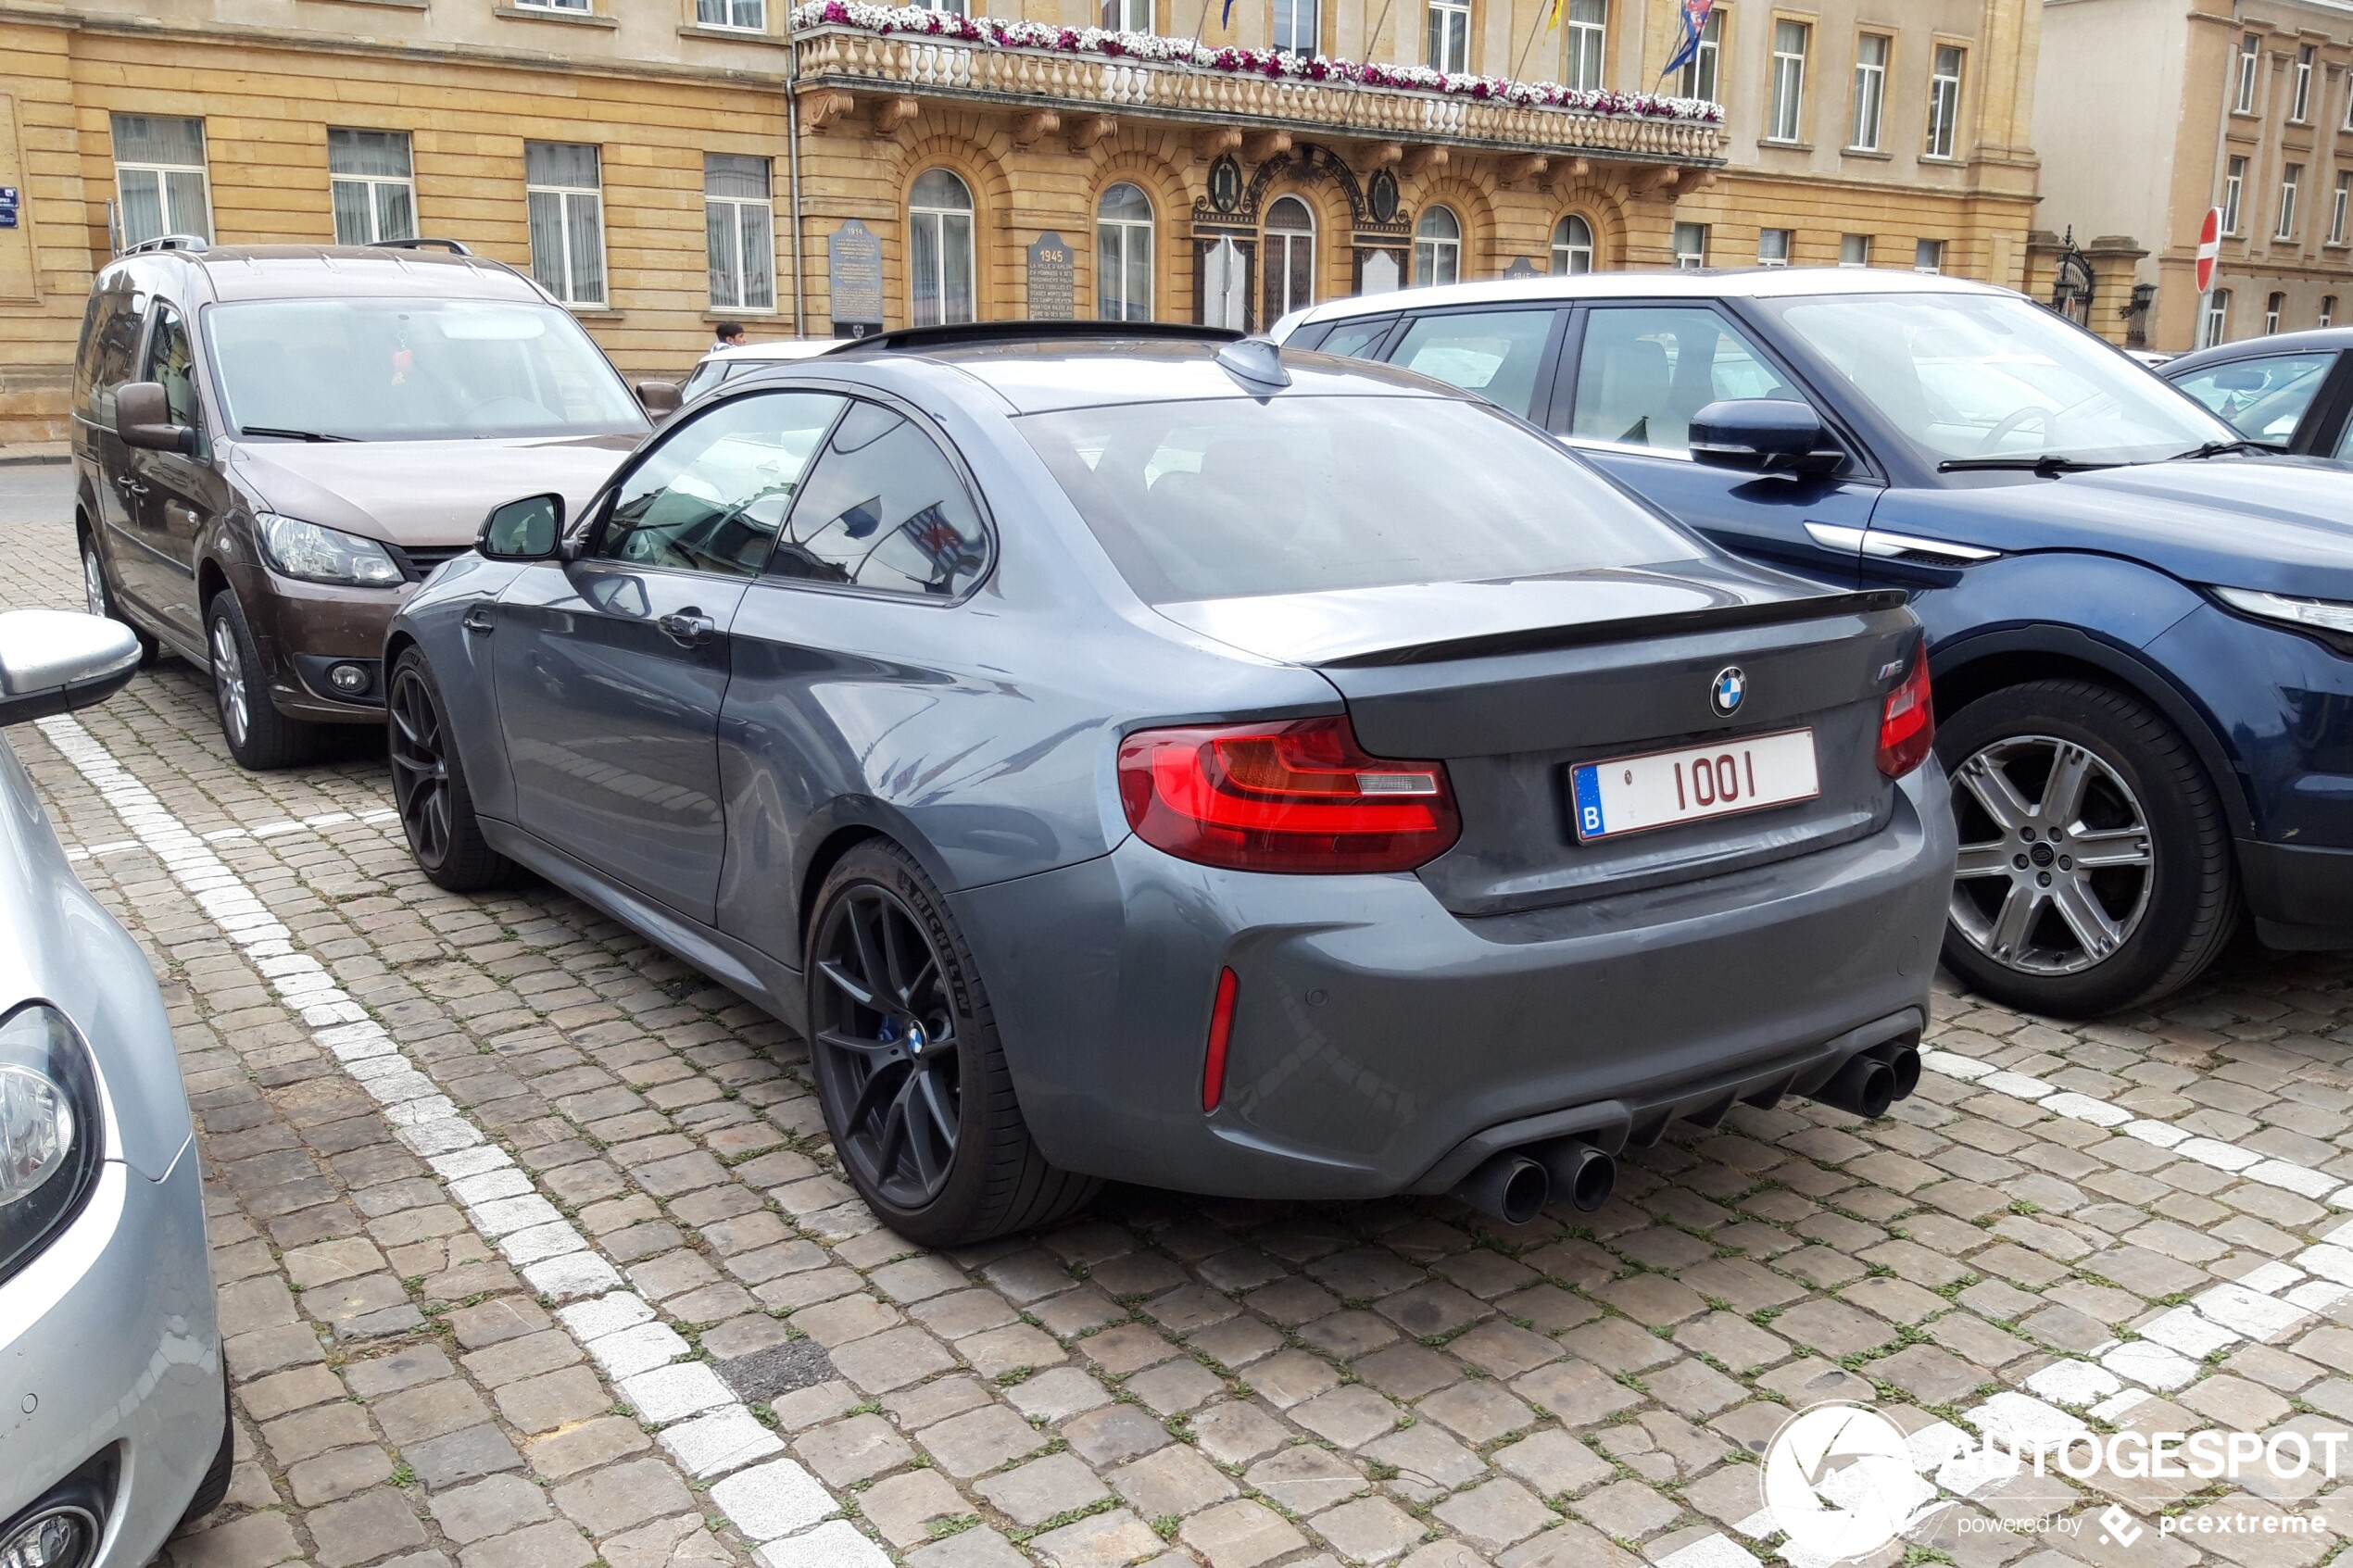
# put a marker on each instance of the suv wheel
(910, 1072)
(2094, 864)
(97, 598)
(259, 736)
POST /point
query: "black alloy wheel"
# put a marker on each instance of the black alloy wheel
(429, 786)
(887, 1027)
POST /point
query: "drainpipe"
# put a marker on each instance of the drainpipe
(792, 157)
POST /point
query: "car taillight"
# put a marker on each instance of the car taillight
(1907, 722)
(1295, 797)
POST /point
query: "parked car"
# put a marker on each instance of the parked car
(1156, 758)
(2293, 392)
(111, 1377)
(2142, 636)
(722, 365)
(273, 445)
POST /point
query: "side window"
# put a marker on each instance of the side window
(108, 347)
(170, 361)
(712, 495)
(886, 510)
(2263, 399)
(1644, 370)
(1358, 340)
(1493, 353)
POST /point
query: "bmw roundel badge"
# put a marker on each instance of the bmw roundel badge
(1729, 690)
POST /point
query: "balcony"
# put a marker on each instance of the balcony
(841, 63)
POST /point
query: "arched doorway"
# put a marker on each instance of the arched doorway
(1286, 258)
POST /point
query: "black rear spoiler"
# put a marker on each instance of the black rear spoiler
(1635, 628)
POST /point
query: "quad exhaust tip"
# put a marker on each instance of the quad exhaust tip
(1866, 1085)
(1514, 1185)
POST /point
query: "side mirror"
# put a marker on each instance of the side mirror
(143, 417)
(57, 660)
(659, 396)
(531, 529)
(1763, 435)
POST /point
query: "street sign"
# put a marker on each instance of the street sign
(2209, 247)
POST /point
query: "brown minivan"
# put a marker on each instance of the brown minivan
(272, 445)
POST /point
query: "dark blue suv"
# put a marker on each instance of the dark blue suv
(2141, 628)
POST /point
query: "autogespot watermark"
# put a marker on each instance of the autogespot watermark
(1842, 1480)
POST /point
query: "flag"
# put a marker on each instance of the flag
(1226, 17)
(1553, 21)
(1695, 15)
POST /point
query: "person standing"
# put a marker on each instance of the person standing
(730, 334)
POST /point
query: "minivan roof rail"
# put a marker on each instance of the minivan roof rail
(420, 242)
(916, 340)
(169, 242)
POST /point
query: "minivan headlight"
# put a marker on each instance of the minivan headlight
(313, 553)
(51, 1136)
(2332, 620)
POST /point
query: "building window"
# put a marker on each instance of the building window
(2300, 105)
(2233, 195)
(1928, 256)
(1791, 41)
(1572, 246)
(371, 186)
(567, 219)
(2217, 326)
(2273, 309)
(1773, 246)
(1288, 258)
(737, 15)
(2290, 178)
(1124, 254)
(2328, 311)
(1295, 26)
(1700, 75)
(580, 5)
(739, 223)
(1588, 40)
(1437, 247)
(2349, 101)
(1870, 91)
(1945, 103)
(1691, 246)
(1450, 36)
(2339, 215)
(945, 7)
(2250, 56)
(1855, 250)
(158, 173)
(940, 249)
(1135, 16)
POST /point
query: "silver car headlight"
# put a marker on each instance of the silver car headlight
(2332, 620)
(313, 553)
(52, 1134)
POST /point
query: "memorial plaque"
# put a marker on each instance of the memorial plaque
(1053, 280)
(1224, 286)
(1521, 267)
(854, 279)
(1380, 273)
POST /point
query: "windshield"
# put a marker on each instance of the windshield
(414, 369)
(1232, 497)
(1985, 376)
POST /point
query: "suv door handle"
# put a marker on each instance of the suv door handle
(688, 628)
(478, 621)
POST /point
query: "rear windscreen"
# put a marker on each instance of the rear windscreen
(1233, 497)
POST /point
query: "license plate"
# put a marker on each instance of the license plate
(1636, 794)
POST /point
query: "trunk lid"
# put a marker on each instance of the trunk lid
(1512, 707)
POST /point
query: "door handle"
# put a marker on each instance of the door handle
(688, 628)
(478, 621)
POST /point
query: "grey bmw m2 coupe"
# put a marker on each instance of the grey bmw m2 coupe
(1160, 757)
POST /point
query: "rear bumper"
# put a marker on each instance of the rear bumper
(2301, 896)
(1377, 1037)
(109, 1335)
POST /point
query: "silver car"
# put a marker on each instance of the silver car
(113, 1395)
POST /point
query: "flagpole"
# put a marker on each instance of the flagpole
(1551, 10)
(1372, 39)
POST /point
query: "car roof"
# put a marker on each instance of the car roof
(1039, 376)
(2325, 339)
(238, 272)
(780, 351)
(1761, 283)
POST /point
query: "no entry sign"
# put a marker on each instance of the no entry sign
(2209, 246)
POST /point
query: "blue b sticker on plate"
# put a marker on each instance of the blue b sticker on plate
(1590, 823)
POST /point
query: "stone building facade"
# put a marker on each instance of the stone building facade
(667, 164)
(2151, 112)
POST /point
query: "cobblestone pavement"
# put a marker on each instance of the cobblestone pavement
(532, 1254)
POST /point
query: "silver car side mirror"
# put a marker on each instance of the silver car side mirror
(57, 660)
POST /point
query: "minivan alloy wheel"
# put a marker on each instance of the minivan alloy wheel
(2056, 857)
(883, 1014)
(94, 580)
(229, 680)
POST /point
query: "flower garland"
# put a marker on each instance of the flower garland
(1271, 63)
